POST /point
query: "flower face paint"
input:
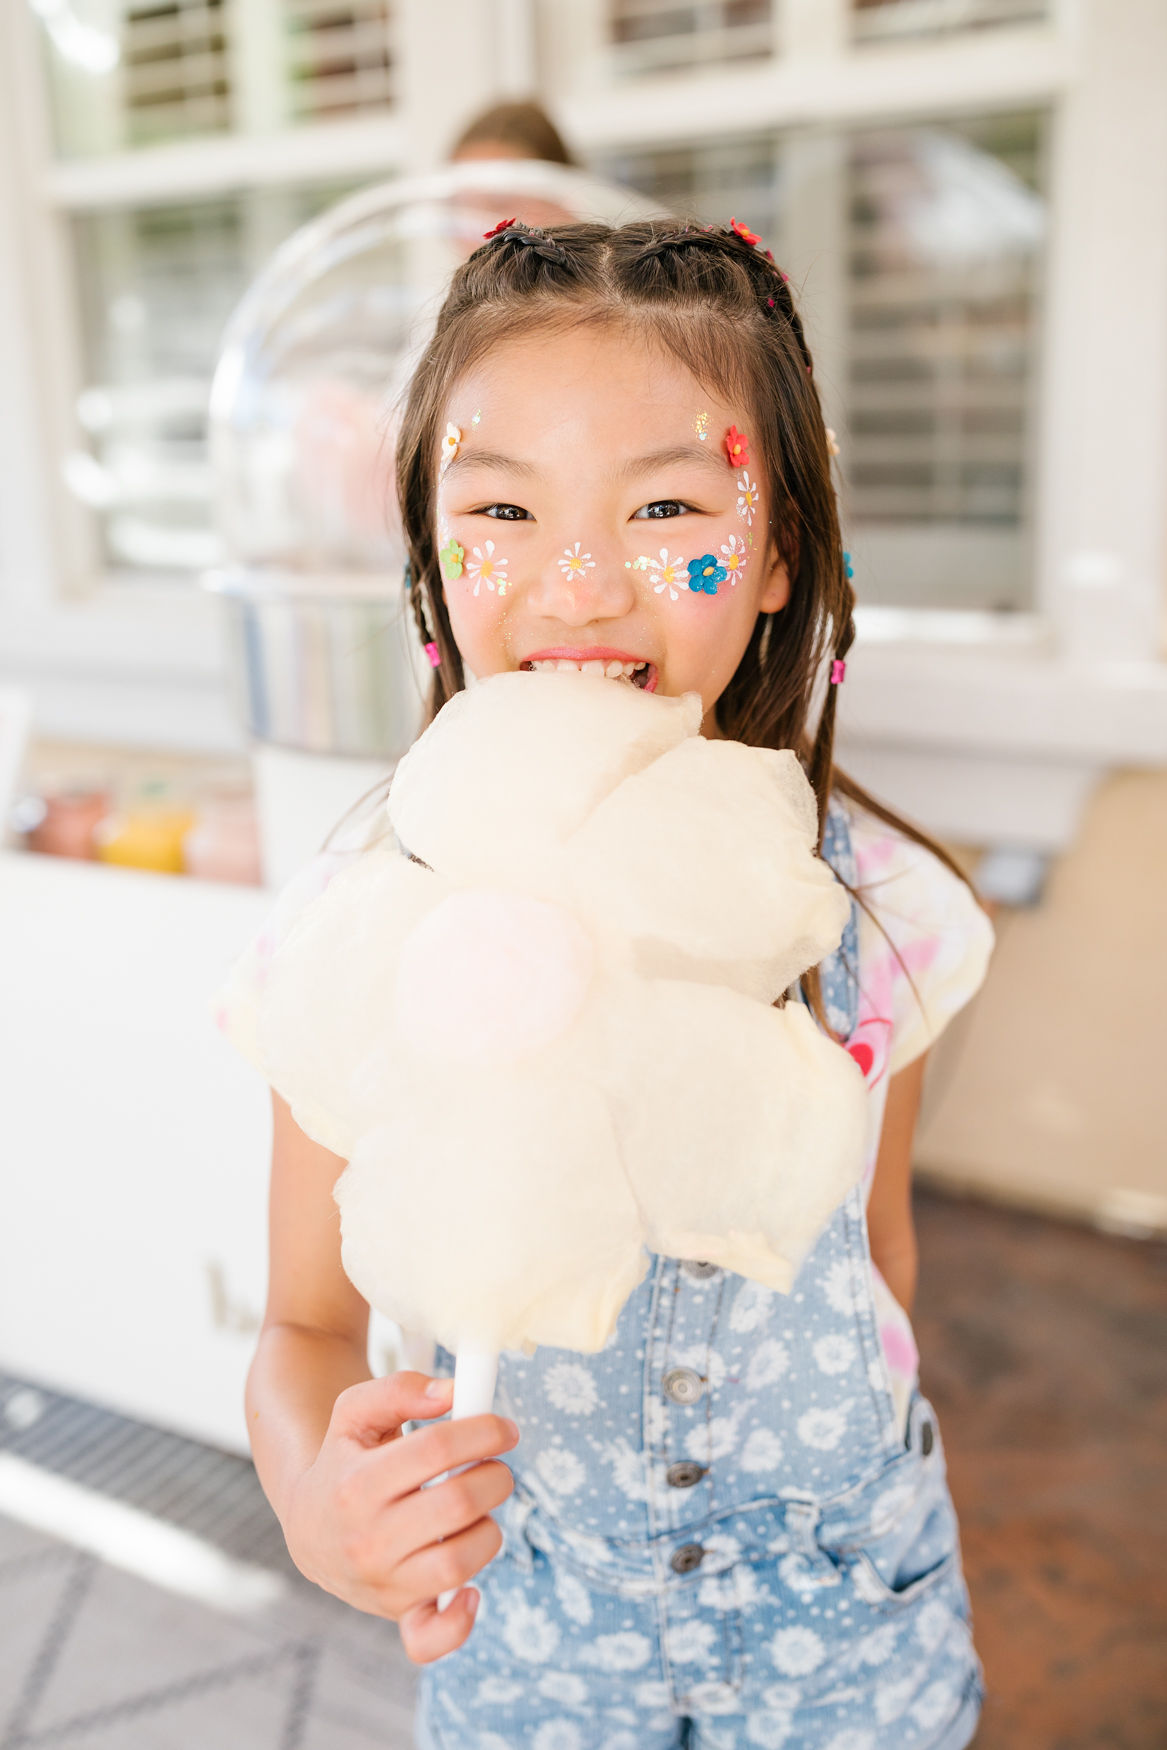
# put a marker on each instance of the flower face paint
(484, 568)
(666, 574)
(737, 447)
(450, 445)
(705, 574)
(747, 498)
(733, 557)
(451, 557)
(574, 563)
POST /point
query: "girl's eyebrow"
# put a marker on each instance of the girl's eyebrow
(641, 465)
(493, 459)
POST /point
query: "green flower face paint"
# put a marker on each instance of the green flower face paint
(452, 557)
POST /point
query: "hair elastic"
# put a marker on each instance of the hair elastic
(434, 654)
(838, 670)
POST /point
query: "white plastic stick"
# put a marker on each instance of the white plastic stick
(475, 1375)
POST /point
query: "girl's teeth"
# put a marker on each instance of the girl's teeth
(613, 671)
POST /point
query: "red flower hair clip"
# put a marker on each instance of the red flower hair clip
(747, 236)
(737, 448)
(497, 230)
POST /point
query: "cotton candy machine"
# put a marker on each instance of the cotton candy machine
(303, 424)
(304, 407)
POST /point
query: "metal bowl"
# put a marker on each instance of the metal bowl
(324, 664)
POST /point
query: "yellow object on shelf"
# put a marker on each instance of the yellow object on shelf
(146, 838)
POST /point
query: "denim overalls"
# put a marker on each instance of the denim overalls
(718, 1536)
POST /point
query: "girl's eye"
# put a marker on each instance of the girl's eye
(507, 513)
(661, 507)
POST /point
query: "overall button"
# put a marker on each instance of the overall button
(927, 1438)
(684, 1474)
(688, 1557)
(682, 1385)
(699, 1270)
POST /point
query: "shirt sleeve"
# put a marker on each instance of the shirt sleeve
(924, 943)
(236, 1004)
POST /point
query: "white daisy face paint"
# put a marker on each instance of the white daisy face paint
(486, 567)
(747, 498)
(733, 558)
(590, 431)
(573, 563)
(450, 444)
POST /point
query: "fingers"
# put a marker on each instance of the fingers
(374, 1410)
(431, 1451)
(443, 1567)
(449, 1507)
(428, 1633)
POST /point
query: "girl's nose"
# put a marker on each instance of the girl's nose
(583, 581)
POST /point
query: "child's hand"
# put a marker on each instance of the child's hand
(360, 1524)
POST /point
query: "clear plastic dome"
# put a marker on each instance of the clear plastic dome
(303, 406)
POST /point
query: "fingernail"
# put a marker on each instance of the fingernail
(472, 1601)
(513, 1426)
(437, 1388)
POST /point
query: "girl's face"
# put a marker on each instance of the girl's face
(588, 512)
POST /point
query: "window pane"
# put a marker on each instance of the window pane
(917, 251)
(128, 73)
(888, 20)
(661, 36)
(156, 288)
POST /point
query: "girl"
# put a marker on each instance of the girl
(731, 1526)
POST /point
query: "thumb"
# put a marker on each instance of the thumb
(374, 1410)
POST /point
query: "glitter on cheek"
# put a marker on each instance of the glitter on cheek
(701, 426)
(477, 416)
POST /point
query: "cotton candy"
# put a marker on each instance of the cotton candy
(539, 1027)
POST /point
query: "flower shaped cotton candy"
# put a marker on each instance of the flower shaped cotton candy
(544, 1039)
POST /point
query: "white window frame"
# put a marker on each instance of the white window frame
(1078, 684)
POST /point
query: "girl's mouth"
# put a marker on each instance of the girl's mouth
(633, 671)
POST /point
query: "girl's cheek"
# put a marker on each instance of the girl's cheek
(677, 572)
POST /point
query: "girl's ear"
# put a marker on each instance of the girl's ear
(776, 585)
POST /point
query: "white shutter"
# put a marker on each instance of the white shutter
(659, 36)
(946, 231)
(175, 69)
(887, 20)
(340, 56)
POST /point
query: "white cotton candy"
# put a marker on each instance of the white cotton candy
(520, 761)
(705, 856)
(494, 1214)
(554, 1047)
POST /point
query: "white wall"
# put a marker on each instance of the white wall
(134, 1144)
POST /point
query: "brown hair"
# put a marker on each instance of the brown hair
(525, 128)
(722, 307)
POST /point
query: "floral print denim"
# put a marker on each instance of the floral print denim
(722, 1534)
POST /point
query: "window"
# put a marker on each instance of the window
(161, 70)
(661, 36)
(156, 287)
(891, 20)
(924, 323)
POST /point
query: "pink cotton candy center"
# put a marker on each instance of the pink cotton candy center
(488, 977)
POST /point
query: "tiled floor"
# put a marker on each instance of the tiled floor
(1045, 1356)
